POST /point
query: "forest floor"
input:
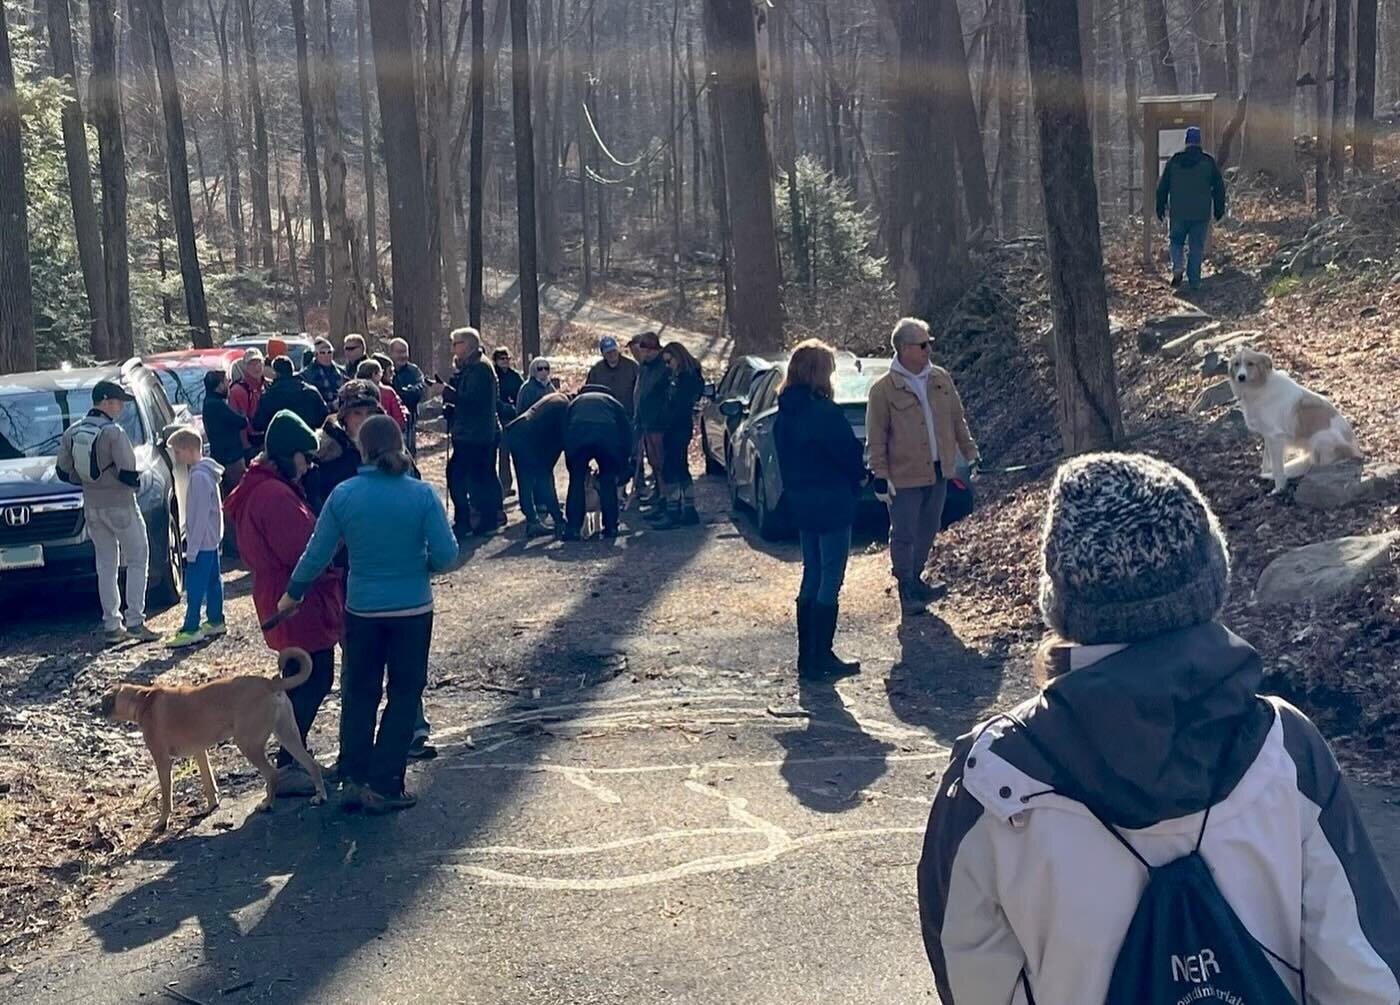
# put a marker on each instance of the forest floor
(625, 751)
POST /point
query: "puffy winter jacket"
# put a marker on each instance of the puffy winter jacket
(1193, 186)
(1018, 876)
(294, 394)
(473, 395)
(274, 523)
(820, 459)
(653, 390)
(226, 429)
(597, 419)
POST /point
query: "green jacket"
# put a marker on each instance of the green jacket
(1193, 186)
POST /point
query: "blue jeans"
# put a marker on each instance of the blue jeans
(824, 564)
(203, 582)
(1194, 231)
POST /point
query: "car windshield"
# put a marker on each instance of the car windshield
(185, 385)
(33, 422)
(853, 386)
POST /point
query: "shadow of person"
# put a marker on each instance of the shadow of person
(939, 683)
(830, 763)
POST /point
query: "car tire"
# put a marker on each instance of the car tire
(771, 525)
(712, 466)
(168, 584)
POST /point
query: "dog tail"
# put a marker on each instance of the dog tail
(285, 659)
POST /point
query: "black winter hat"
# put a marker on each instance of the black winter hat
(1131, 550)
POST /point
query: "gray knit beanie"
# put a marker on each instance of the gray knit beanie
(1130, 550)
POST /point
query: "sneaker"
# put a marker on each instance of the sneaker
(114, 636)
(141, 633)
(911, 604)
(930, 592)
(421, 750)
(213, 629)
(292, 782)
(534, 530)
(401, 800)
(1176, 280)
(570, 535)
(183, 640)
(355, 797)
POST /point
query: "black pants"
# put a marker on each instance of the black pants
(372, 646)
(536, 485)
(610, 469)
(472, 481)
(306, 699)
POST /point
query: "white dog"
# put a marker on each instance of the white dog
(1288, 416)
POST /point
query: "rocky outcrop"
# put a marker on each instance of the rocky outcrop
(1324, 571)
(1339, 485)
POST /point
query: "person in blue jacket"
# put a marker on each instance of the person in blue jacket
(397, 535)
(823, 469)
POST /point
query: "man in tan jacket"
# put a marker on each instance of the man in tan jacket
(915, 428)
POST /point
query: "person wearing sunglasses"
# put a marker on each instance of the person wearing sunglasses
(915, 427)
(324, 373)
(536, 387)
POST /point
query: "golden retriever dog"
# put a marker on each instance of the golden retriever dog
(1289, 417)
(186, 720)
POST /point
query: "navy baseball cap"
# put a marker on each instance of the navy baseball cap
(107, 390)
(607, 344)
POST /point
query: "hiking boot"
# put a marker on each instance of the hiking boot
(911, 603)
(570, 534)
(669, 519)
(421, 750)
(822, 620)
(114, 636)
(141, 633)
(806, 666)
(1176, 280)
(183, 639)
(929, 592)
(213, 629)
(293, 782)
(535, 529)
(355, 797)
(401, 800)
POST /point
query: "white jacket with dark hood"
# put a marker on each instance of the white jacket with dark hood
(1018, 877)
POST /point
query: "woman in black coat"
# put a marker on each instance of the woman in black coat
(687, 384)
(823, 469)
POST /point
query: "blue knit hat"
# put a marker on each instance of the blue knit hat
(1193, 136)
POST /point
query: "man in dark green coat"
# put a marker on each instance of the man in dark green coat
(1195, 190)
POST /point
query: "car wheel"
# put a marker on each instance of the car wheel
(770, 522)
(169, 584)
(712, 466)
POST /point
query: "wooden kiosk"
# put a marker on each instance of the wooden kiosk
(1165, 119)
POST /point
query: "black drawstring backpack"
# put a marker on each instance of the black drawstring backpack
(1185, 944)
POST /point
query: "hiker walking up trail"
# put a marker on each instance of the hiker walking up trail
(823, 469)
(915, 428)
(1148, 818)
(204, 534)
(1193, 187)
(677, 428)
(96, 454)
(274, 521)
(397, 535)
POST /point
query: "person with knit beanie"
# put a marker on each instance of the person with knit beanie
(1148, 717)
(274, 521)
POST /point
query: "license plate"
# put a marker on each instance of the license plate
(28, 557)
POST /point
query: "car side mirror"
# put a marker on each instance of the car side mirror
(709, 390)
(731, 408)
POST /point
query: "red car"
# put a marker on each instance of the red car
(182, 372)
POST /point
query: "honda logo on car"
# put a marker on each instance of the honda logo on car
(17, 516)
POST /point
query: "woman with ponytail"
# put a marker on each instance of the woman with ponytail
(397, 535)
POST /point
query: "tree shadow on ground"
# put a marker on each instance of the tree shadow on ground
(287, 898)
(939, 683)
(829, 764)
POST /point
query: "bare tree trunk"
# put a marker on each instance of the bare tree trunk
(478, 164)
(548, 249)
(309, 156)
(972, 158)
(1232, 47)
(416, 311)
(833, 92)
(443, 221)
(1341, 87)
(1087, 409)
(75, 152)
(1007, 67)
(1364, 140)
(585, 146)
(1159, 44)
(525, 180)
(787, 138)
(16, 292)
(1273, 83)
(1324, 143)
(262, 200)
(295, 272)
(696, 149)
(926, 249)
(371, 275)
(1128, 41)
(757, 317)
(1210, 47)
(181, 211)
(233, 197)
(111, 155)
(347, 300)
(675, 133)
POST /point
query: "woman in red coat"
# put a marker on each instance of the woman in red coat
(274, 523)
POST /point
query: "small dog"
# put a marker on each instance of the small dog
(188, 720)
(1288, 416)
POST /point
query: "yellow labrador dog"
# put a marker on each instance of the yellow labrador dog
(1288, 416)
(186, 720)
